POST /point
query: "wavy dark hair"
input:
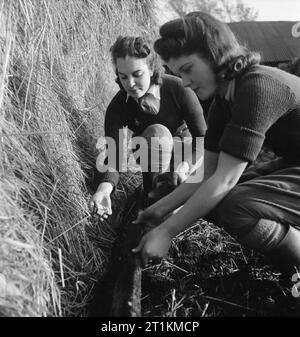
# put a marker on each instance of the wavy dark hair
(139, 47)
(292, 66)
(201, 33)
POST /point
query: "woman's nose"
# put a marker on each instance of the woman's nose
(131, 82)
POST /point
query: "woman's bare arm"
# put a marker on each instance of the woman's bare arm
(213, 189)
(182, 193)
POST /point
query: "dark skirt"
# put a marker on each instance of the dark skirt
(266, 191)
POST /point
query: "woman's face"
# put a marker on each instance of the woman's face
(196, 73)
(134, 75)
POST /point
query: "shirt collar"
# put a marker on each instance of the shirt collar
(229, 95)
(153, 90)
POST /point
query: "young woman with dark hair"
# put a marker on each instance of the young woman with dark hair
(155, 107)
(253, 105)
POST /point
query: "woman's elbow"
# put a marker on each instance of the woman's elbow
(226, 183)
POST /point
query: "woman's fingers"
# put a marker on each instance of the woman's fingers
(145, 259)
(101, 210)
(145, 256)
(91, 206)
(139, 247)
(103, 217)
(139, 218)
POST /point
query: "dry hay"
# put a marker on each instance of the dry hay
(55, 84)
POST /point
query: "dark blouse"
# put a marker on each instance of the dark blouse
(179, 108)
(265, 111)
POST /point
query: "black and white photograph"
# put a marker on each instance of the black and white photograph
(150, 162)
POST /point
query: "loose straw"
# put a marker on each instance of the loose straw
(61, 268)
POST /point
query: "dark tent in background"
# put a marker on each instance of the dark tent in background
(272, 39)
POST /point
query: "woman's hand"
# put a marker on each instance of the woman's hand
(151, 216)
(100, 203)
(154, 245)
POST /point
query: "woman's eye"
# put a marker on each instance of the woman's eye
(123, 78)
(138, 74)
(187, 70)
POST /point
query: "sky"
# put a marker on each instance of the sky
(276, 10)
(268, 10)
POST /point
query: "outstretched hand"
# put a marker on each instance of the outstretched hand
(151, 217)
(100, 203)
(154, 245)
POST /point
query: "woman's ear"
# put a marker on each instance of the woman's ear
(117, 80)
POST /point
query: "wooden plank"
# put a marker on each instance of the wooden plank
(118, 294)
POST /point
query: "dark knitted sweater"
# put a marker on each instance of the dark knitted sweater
(179, 108)
(265, 111)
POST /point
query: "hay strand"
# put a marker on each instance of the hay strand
(54, 88)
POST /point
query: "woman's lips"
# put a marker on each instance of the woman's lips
(134, 91)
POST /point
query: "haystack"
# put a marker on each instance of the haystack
(56, 81)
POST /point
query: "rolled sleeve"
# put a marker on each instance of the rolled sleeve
(259, 103)
(241, 142)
